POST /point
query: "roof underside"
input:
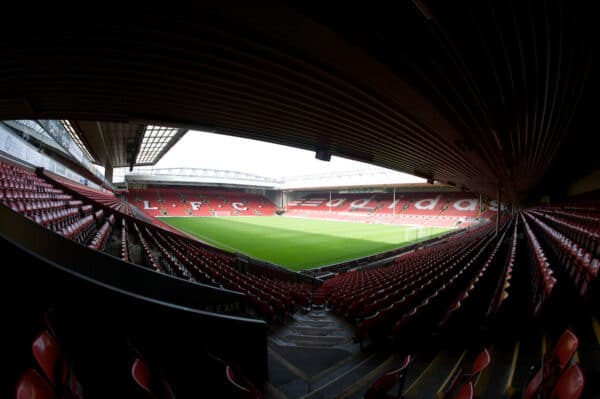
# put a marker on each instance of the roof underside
(474, 93)
(123, 144)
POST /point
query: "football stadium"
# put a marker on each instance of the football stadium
(301, 201)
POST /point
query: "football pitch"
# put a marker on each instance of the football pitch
(300, 244)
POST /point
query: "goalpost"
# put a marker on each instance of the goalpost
(419, 232)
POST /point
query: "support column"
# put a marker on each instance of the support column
(498, 199)
(108, 172)
(394, 202)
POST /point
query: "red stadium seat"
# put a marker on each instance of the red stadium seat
(466, 391)
(155, 385)
(463, 379)
(570, 384)
(32, 385)
(241, 387)
(55, 365)
(553, 364)
(387, 381)
(49, 357)
(480, 364)
(565, 348)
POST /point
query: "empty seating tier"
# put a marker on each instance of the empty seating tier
(189, 201)
(450, 209)
(89, 217)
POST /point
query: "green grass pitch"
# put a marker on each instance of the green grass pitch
(300, 244)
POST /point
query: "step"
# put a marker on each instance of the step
(315, 323)
(492, 383)
(427, 384)
(317, 340)
(338, 385)
(317, 331)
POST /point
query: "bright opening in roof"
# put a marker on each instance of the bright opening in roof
(154, 141)
(210, 153)
(76, 139)
(215, 151)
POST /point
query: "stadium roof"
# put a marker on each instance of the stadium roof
(123, 144)
(368, 177)
(480, 94)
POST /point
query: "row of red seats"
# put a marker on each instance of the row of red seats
(350, 291)
(478, 289)
(17, 178)
(544, 280)
(105, 198)
(54, 219)
(431, 308)
(80, 230)
(147, 250)
(592, 222)
(202, 263)
(585, 237)
(47, 205)
(270, 296)
(100, 239)
(418, 286)
(124, 242)
(196, 267)
(501, 293)
(418, 204)
(32, 195)
(179, 256)
(419, 279)
(175, 266)
(579, 264)
(55, 374)
(199, 269)
(165, 201)
(14, 182)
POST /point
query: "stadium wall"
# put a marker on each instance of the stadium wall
(16, 149)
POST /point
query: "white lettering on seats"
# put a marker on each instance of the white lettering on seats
(494, 206)
(393, 204)
(148, 207)
(465, 204)
(334, 203)
(431, 203)
(360, 203)
(239, 206)
(195, 205)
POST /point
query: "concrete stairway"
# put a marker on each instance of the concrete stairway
(313, 356)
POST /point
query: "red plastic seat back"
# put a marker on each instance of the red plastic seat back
(534, 385)
(387, 381)
(481, 362)
(570, 384)
(466, 391)
(241, 385)
(141, 375)
(156, 386)
(32, 385)
(565, 348)
(48, 355)
(232, 378)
